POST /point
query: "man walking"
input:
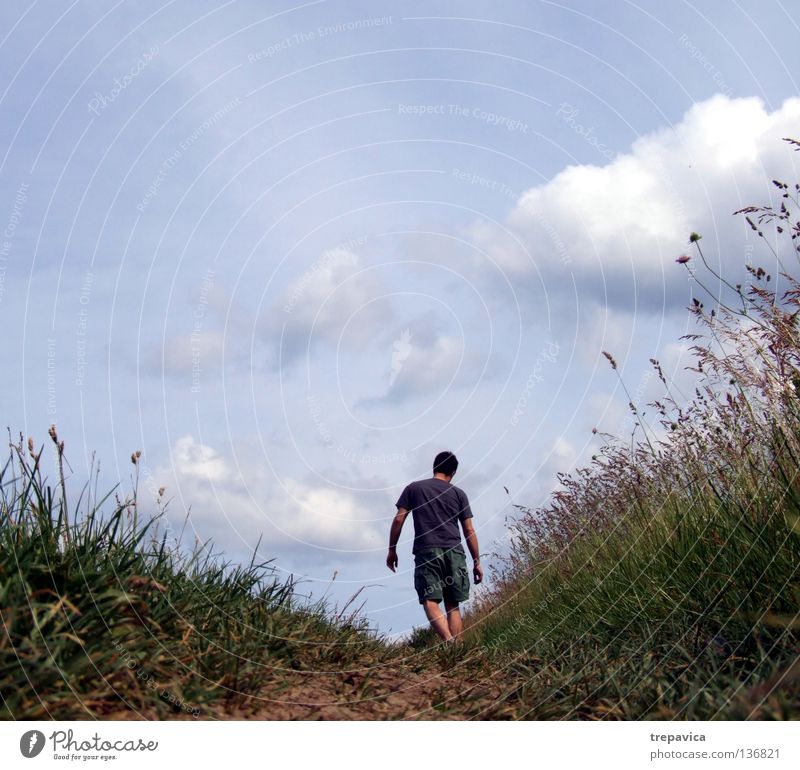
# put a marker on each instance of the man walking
(440, 571)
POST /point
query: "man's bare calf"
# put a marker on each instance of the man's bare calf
(447, 628)
(438, 621)
(453, 618)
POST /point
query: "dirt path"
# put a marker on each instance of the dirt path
(403, 691)
(418, 685)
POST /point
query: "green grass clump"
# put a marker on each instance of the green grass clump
(662, 580)
(102, 615)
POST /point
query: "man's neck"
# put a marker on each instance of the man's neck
(442, 477)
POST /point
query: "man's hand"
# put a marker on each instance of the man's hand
(394, 536)
(477, 572)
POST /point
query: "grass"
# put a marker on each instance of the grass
(101, 613)
(662, 581)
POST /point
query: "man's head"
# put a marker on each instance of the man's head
(445, 463)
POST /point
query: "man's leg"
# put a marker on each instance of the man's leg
(436, 618)
(453, 617)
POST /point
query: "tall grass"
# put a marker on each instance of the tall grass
(659, 581)
(662, 579)
(103, 615)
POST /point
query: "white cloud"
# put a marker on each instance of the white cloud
(429, 367)
(193, 460)
(237, 501)
(321, 303)
(330, 516)
(618, 228)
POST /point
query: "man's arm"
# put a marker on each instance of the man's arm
(394, 536)
(472, 543)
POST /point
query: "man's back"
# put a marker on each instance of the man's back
(437, 506)
(440, 567)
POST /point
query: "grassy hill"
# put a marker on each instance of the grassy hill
(662, 581)
(101, 614)
(659, 582)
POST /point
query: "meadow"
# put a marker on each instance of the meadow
(661, 581)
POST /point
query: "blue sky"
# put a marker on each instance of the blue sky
(291, 251)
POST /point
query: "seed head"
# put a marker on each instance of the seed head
(135, 456)
(694, 237)
(53, 434)
(610, 359)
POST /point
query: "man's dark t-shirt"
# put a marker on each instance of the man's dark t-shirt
(436, 507)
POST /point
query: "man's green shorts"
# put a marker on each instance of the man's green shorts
(441, 573)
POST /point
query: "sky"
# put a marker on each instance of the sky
(291, 251)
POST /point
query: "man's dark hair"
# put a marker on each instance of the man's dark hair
(445, 462)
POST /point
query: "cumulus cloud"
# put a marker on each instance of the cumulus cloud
(194, 460)
(420, 367)
(617, 229)
(235, 501)
(337, 298)
(426, 356)
(330, 516)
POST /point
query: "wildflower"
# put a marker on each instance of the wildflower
(135, 457)
(694, 237)
(683, 259)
